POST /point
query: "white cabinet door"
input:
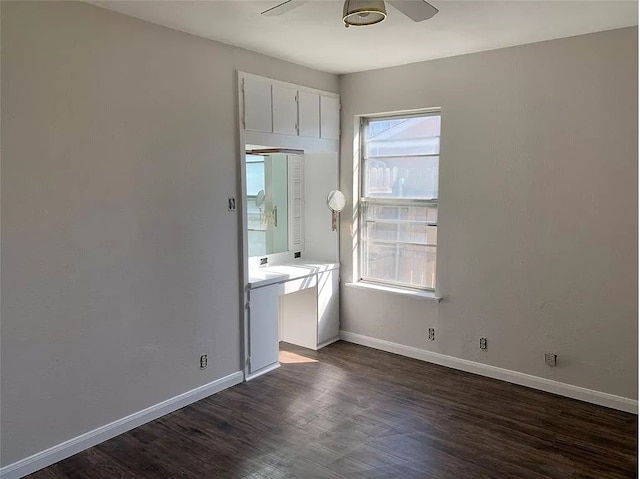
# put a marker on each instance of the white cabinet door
(309, 114)
(329, 117)
(328, 305)
(285, 110)
(263, 326)
(257, 105)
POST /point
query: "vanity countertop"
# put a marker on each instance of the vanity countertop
(265, 275)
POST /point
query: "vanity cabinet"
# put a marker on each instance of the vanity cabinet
(328, 306)
(297, 303)
(309, 318)
(263, 332)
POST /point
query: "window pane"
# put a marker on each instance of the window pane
(255, 174)
(257, 243)
(411, 265)
(398, 147)
(388, 234)
(410, 233)
(402, 178)
(405, 230)
(392, 212)
(254, 215)
(403, 136)
(256, 229)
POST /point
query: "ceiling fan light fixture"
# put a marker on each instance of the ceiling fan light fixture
(363, 12)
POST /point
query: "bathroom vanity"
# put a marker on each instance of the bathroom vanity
(289, 165)
(295, 302)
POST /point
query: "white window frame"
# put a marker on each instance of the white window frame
(362, 201)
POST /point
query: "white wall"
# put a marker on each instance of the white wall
(119, 258)
(321, 177)
(538, 211)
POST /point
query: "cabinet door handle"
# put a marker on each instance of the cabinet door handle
(275, 216)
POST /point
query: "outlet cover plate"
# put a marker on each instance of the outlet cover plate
(550, 359)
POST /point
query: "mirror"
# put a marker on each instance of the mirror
(267, 204)
(336, 202)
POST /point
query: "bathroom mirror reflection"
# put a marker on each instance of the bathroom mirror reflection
(267, 204)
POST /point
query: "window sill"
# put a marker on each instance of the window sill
(428, 295)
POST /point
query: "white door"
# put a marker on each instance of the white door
(285, 110)
(328, 305)
(263, 326)
(329, 117)
(257, 105)
(309, 114)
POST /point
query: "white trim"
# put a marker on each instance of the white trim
(265, 370)
(411, 293)
(548, 385)
(279, 140)
(73, 446)
(328, 342)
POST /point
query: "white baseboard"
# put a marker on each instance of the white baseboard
(68, 448)
(262, 371)
(328, 342)
(548, 385)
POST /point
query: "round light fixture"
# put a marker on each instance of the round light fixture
(363, 12)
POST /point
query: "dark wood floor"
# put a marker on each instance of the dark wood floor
(352, 412)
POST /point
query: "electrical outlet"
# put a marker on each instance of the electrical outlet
(203, 361)
(432, 334)
(483, 343)
(550, 359)
(231, 203)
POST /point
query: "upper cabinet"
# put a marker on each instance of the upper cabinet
(257, 104)
(285, 110)
(329, 117)
(271, 106)
(309, 114)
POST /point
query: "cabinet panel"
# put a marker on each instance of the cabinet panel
(329, 117)
(257, 105)
(309, 114)
(285, 110)
(328, 305)
(299, 318)
(263, 326)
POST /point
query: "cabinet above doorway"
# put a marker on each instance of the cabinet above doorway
(298, 113)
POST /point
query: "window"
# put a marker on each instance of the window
(399, 200)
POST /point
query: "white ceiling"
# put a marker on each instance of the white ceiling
(313, 34)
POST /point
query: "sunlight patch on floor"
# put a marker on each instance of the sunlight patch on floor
(287, 357)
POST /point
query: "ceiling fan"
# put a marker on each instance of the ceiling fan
(367, 12)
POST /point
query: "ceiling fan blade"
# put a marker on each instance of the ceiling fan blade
(416, 10)
(284, 7)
